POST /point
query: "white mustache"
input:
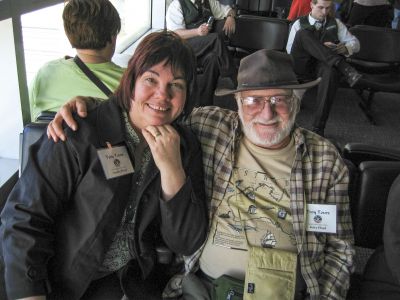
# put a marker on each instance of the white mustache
(269, 122)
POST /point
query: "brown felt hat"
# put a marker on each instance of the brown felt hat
(266, 69)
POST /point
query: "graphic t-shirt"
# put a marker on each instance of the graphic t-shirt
(255, 210)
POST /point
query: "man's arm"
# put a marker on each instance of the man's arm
(175, 22)
(202, 30)
(334, 280)
(221, 11)
(174, 17)
(345, 37)
(292, 34)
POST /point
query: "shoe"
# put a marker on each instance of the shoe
(351, 75)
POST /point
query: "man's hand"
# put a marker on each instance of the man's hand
(203, 29)
(55, 130)
(341, 49)
(229, 26)
(330, 45)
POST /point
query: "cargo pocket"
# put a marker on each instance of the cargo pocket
(271, 274)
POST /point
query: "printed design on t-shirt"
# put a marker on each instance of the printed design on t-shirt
(255, 210)
(268, 240)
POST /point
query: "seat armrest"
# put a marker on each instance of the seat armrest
(368, 207)
(358, 152)
(32, 132)
(45, 116)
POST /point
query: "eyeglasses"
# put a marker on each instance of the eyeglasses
(255, 104)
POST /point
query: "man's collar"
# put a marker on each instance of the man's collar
(312, 20)
(298, 136)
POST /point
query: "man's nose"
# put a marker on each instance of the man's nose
(268, 112)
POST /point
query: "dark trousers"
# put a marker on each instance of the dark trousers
(213, 60)
(106, 288)
(311, 60)
(378, 15)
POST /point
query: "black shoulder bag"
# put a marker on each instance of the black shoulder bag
(92, 77)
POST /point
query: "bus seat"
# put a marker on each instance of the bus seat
(280, 8)
(391, 236)
(381, 278)
(254, 7)
(369, 205)
(374, 170)
(254, 33)
(31, 133)
(359, 152)
(377, 168)
(379, 62)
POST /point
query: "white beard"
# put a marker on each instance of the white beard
(270, 140)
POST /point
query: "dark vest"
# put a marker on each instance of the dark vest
(193, 16)
(328, 33)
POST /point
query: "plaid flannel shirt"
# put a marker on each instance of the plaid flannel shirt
(318, 176)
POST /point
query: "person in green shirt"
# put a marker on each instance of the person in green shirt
(91, 27)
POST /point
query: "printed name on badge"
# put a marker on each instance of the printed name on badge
(115, 161)
(321, 218)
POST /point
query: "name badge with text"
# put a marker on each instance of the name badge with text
(321, 218)
(115, 161)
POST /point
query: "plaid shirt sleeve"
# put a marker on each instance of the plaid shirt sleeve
(334, 280)
(320, 176)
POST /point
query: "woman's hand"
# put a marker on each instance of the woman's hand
(77, 104)
(164, 143)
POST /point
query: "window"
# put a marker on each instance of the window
(31, 33)
(45, 40)
(10, 112)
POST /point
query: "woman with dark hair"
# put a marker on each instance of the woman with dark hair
(90, 212)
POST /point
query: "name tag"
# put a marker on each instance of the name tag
(115, 161)
(321, 218)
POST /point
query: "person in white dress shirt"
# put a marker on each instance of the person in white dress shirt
(319, 44)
